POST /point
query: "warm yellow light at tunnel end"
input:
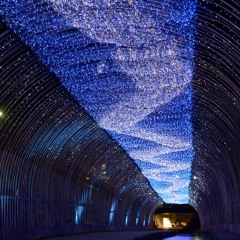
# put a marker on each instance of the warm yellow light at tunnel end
(167, 223)
(1, 114)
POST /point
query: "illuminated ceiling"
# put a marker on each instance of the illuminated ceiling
(130, 65)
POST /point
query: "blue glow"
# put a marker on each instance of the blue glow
(137, 221)
(112, 212)
(78, 214)
(137, 218)
(130, 65)
(126, 220)
(111, 217)
(149, 221)
(85, 199)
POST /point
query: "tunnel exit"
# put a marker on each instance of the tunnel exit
(181, 217)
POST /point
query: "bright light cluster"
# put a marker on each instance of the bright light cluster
(130, 65)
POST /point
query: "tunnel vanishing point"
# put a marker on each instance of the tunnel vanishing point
(109, 109)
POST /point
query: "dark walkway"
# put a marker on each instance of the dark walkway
(150, 235)
(187, 237)
(219, 235)
(128, 235)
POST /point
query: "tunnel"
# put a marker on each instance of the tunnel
(109, 110)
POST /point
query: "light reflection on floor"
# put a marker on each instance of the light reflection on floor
(186, 237)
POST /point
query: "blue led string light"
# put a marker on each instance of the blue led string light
(130, 65)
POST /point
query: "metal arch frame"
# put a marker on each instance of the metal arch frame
(40, 190)
(215, 177)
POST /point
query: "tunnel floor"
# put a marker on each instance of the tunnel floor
(128, 235)
(149, 235)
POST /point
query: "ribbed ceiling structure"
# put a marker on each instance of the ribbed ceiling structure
(60, 172)
(215, 185)
(130, 65)
(162, 77)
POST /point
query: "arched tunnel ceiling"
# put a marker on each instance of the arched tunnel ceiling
(216, 111)
(133, 65)
(52, 152)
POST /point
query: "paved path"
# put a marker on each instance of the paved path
(128, 235)
(219, 235)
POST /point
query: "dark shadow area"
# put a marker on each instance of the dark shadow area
(180, 217)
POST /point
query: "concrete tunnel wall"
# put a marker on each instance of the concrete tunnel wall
(60, 172)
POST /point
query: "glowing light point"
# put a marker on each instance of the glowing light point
(167, 223)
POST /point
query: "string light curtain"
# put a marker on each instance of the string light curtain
(129, 63)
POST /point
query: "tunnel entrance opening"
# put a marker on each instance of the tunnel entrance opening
(181, 217)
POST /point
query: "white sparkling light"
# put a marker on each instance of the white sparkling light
(130, 65)
(158, 65)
